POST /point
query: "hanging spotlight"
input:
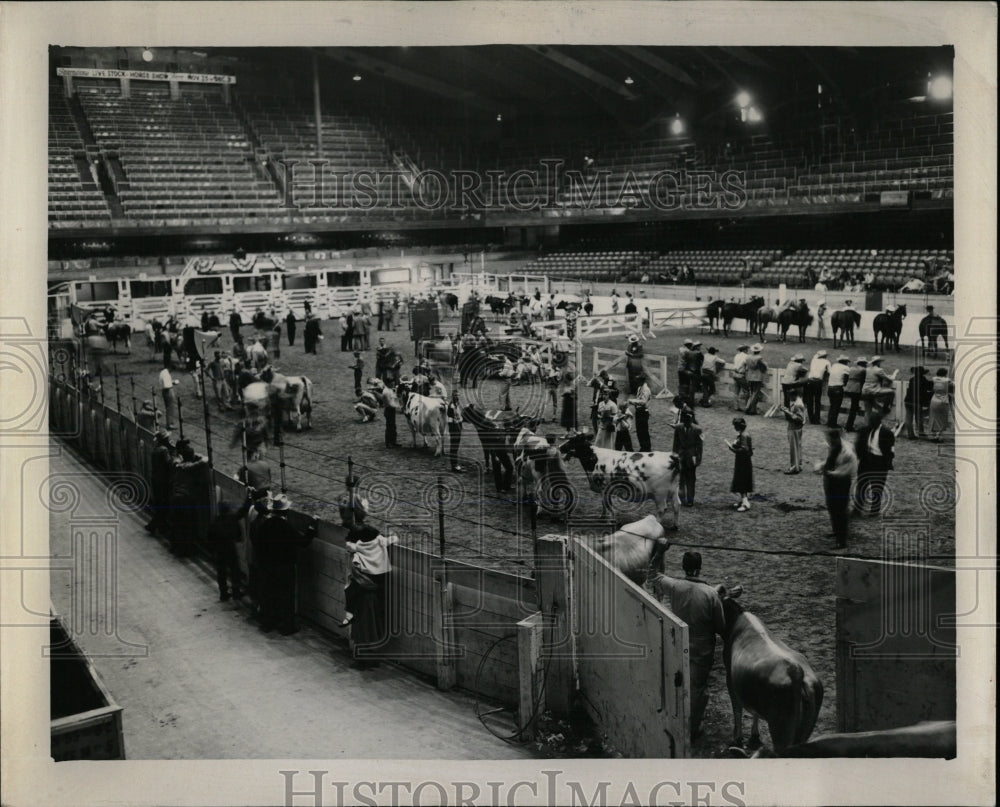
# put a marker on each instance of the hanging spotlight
(499, 118)
(939, 88)
(677, 125)
(629, 80)
(754, 115)
(743, 99)
(147, 55)
(357, 77)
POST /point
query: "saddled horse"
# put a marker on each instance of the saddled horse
(119, 331)
(765, 315)
(798, 316)
(844, 322)
(747, 311)
(887, 328)
(931, 327)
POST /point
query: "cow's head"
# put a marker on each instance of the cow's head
(731, 608)
(579, 446)
(267, 374)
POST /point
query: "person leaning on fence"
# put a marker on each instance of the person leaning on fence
(739, 373)
(839, 371)
(812, 391)
(852, 390)
(224, 533)
(879, 389)
(190, 493)
(699, 605)
(643, 395)
(162, 461)
(756, 370)
(742, 448)
(366, 592)
(915, 400)
(839, 470)
(793, 378)
(710, 370)
(278, 544)
(688, 446)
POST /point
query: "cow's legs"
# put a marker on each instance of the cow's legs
(755, 732)
(737, 720)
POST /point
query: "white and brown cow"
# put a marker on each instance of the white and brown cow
(768, 679)
(638, 475)
(425, 416)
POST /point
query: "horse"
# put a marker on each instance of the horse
(931, 327)
(747, 311)
(119, 331)
(766, 314)
(499, 306)
(713, 311)
(799, 316)
(844, 322)
(887, 328)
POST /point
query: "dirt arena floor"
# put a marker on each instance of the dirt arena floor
(779, 550)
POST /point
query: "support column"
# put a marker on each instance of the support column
(552, 578)
(530, 674)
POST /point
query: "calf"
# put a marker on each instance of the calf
(425, 416)
(770, 679)
(635, 549)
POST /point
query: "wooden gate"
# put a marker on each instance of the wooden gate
(896, 648)
(654, 366)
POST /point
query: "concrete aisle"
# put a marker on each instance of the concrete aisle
(212, 686)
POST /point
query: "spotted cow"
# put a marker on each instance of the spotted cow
(634, 475)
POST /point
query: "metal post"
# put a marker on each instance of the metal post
(135, 409)
(208, 430)
(156, 414)
(180, 418)
(279, 438)
(118, 392)
(100, 380)
(440, 492)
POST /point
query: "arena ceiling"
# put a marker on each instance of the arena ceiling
(630, 84)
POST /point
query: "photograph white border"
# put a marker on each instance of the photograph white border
(26, 32)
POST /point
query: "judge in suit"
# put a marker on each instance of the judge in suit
(688, 445)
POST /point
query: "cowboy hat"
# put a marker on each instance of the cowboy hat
(688, 342)
(861, 360)
(280, 502)
(633, 338)
(820, 354)
(843, 357)
(875, 359)
(798, 357)
(756, 349)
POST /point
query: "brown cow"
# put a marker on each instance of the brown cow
(770, 679)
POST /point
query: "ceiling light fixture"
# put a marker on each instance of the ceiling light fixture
(147, 55)
(743, 99)
(357, 77)
(629, 80)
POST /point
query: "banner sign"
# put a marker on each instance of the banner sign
(145, 75)
(895, 198)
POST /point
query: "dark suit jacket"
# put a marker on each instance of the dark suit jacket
(886, 443)
(688, 445)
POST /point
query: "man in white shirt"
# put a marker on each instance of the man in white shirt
(835, 388)
(740, 376)
(166, 384)
(838, 471)
(819, 369)
(641, 403)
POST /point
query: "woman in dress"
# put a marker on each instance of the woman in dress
(607, 413)
(742, 447)
(941, 399)
(365, 596)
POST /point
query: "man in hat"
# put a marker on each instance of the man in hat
(312, 334)
(812, 392)
(838, 471)
(277, 548)
(709, 372)
(166, 384)
(793, 378)
(699, 605)
(368, 404)
(739, 373)
(852, 389)
(640, 401)
(383, 355)
(875, 449)
(683, 371)
(190, 497)
(359, 368)
(688, 446)
(224, 533)
(756, 370)
(919, 390)
(839, 371)
(162, 461)
(696, 360)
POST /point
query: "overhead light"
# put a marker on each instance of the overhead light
(628, 80)
(677, 125)
(754, 115)
(357, 77)
(939, 88)
(743, 99)
(499, 117)
(147, 55)
(819, 89)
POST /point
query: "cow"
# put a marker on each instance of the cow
(291, 394)
(499, 306)
(119, 331)
(450, 302)
(928, 739)
(542, 478)
(635, 549)
(425, 415)
(641, 475)
(769, 679)
(496, 430)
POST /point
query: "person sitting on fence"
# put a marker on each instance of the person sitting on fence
(630, 307)
(793, 378)
(365, 594)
